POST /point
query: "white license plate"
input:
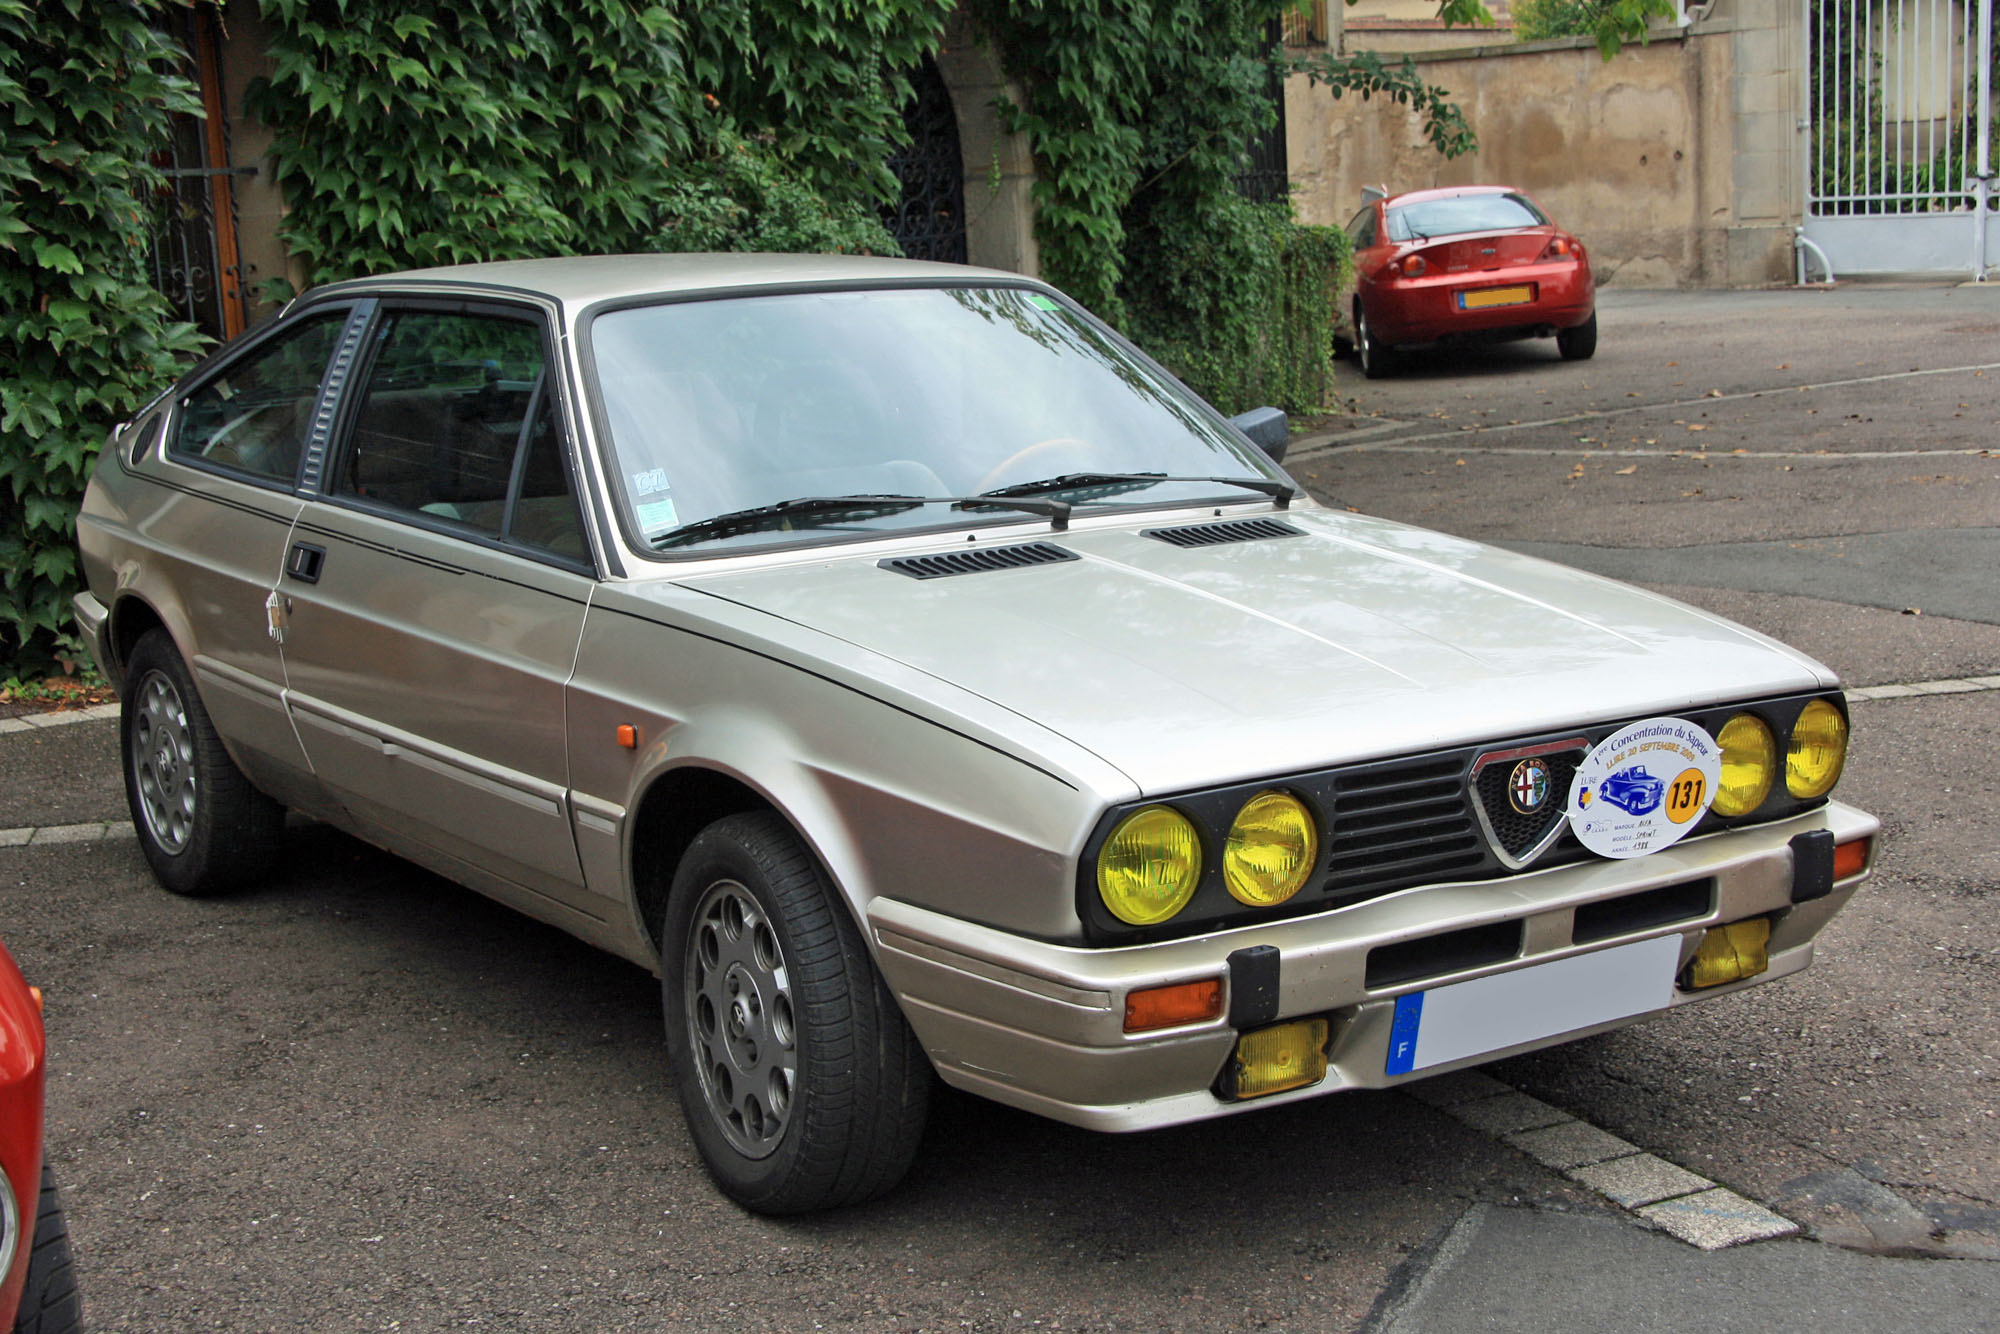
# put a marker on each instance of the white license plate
(1490, 1014)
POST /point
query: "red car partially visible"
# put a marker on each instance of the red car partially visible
(1466, 263)
(37, 1286)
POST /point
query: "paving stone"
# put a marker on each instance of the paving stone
(1507, 1113)
(1717, 1218)
(14, 838)
(1952, 687)
(14, 725)
(1989, 682)
(1892, 692)
(1639, 1180)
(68, 833)
(1464, 1086)
(1570, 1144)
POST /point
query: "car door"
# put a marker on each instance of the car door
(235, 445)
(434, 591)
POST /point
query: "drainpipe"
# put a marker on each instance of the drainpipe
(1982, 184)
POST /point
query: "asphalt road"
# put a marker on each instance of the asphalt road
(361, 1098)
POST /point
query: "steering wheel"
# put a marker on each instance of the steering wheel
(1036, 450)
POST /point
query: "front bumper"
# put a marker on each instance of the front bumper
(1041, 1026)
(93, 621)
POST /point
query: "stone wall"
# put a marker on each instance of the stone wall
(1676, 161)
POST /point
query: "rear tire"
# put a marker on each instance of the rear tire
(1579, 343)
(1377, 359)
(802, 1085)
(49, 1301)
(203, 828)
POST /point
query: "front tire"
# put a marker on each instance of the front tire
(1377, 359)
(1579, 343)
(49, 1301)
(203, 828)
(802, 1086)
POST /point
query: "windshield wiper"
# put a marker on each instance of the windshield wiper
(821, 509)
(1278, 491)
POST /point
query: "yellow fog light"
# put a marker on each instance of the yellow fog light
(1818, 749)
(1271, 1060)
(1149, 867)
(1270, 850)
(1731, 953)
(1749, 762)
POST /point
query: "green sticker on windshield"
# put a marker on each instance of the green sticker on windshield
(657, 514)
(1040, 302)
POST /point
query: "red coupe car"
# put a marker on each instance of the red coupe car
(1466, 263)
(37, 1287)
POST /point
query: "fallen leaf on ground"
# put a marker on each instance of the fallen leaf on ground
(1627, 472)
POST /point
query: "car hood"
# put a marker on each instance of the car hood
(1353, 639)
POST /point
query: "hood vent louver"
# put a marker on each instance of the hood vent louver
(1215, 534)
(985, 561)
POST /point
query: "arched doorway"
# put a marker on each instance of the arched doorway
(928, 219)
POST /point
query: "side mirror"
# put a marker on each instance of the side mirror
(1267, 429)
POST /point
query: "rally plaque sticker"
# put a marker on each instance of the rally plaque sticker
(1643, 787)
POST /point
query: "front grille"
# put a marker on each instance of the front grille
(1400, 824)
(1515, 831)
(1214, 534)
(1391, 825)
(979, 561)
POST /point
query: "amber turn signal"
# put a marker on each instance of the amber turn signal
(1174, 1005)
(628, 736)
(1730, 953)
(1851, 858)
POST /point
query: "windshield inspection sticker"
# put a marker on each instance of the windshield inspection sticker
(1643, 787)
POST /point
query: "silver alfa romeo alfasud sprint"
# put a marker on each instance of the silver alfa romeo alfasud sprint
(921, 680)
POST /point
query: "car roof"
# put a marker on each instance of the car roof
(584, 279)
(1447, 192)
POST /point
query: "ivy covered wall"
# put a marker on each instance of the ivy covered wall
(85, 90)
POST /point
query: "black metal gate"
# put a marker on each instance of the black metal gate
(928, 220)
(193, 223)
(1265, 177)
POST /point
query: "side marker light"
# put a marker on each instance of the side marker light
(1174, 1005)
(628, 736)
(1851, 858)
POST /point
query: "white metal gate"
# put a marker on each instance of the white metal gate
(1899, 121)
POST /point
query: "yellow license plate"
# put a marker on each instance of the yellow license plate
(1495, 296)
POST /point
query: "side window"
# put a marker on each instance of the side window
(457, 423)
(1361, 228)
(255, 415)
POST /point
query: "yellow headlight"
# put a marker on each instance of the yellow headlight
(1817, 752)
(1270, 850)
(1149, 867)
(1749, 763)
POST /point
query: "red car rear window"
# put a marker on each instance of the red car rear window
(1461, 213)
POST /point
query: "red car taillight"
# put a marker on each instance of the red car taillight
(1410, 266)
(1562, 247)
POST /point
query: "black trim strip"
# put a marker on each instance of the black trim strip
(168, 484)
(330, 395)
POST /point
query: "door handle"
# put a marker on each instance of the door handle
(305, 561)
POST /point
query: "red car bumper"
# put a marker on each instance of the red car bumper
(21, 1072)
(1530, 298)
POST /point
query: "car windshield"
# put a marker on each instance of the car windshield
(719, 406)
(1458, 214)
